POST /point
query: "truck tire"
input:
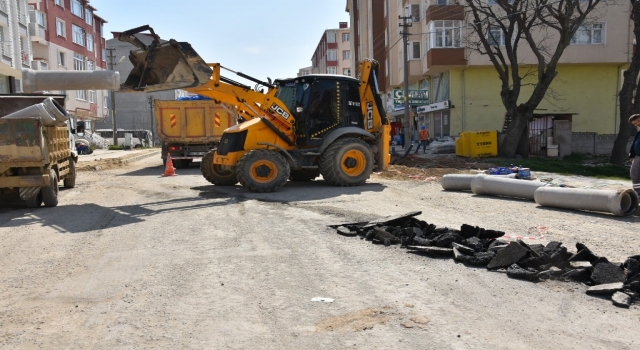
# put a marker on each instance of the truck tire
(70, 180)
(181, 163)
(50, 194)
(34, 202)
(303, 175)
(215, 174)
(347, 162)
(263, 170)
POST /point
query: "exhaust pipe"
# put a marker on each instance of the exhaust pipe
(37, 80)
(619, 203)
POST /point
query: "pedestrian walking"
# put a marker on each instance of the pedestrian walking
(424, 139)
(634, 154)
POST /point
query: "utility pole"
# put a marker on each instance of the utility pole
(150, 99)
(112, 96)
(407, 113)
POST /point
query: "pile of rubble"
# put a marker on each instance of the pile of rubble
(475, 246)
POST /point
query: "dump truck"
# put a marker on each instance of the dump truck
(294, 129)
(37, 149)
(189, 129)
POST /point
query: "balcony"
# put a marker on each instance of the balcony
(441, 59)
(444, 12)
(37, 33)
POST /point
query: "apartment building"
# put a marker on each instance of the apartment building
(305, 71)
(15, 45)
(333, 53)
(461, 87)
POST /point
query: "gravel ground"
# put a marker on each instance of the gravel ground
(130, 259)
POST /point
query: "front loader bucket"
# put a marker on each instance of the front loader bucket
(163, 66)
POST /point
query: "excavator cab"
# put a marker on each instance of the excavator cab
(163, 65)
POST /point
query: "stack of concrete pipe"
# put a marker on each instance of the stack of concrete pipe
(50, 112)
(617, 202)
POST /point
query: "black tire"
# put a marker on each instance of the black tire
(303, 175)
(70, 180)
(263, 170)
(34, 202)
(216, 173)
(50, 194)
(347, 162)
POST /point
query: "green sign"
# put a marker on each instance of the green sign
(416, 97)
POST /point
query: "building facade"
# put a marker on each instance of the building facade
(15, 44)
(333, 53)
(67, 35)
(462, 88)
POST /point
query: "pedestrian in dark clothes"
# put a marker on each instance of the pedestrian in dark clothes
(634, 154)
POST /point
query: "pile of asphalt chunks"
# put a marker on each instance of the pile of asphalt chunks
(475, 246)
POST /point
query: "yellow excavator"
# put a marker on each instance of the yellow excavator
(290, 129)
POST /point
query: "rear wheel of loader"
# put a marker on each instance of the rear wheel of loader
(347, 162)
(70, 180)
(216, 173)
(263, 170)
(50, 194)
(303, 175)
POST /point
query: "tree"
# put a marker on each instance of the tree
(628, 95)
(503, 29)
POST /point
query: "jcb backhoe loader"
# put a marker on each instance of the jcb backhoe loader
(297, 129)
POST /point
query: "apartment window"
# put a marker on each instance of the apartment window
(90, 42)
(60, 3)
(442, 2)
(104, 55)
(78, 34)
(88, 17)
(331, 70)
(346, 71)
(92, 96)
(414, 12)
(76, 8)
(346, 37)
(415, 50)
(5, 47)
(496, 36)
(79, 62)
(331, 55)
(346, 55)
(60, 28)
(331, 36)
(61, 59)
(91, 65)
(444, 34)
(81, 95)
(40, 18)
(589, 34)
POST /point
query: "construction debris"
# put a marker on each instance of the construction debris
(476, 246)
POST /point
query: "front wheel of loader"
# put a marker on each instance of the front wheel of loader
(216, 173)
(50, 194)
(263, 170)
(347, 162)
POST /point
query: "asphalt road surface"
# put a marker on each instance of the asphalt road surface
(130, 259)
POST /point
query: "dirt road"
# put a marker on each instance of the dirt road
(130, 259)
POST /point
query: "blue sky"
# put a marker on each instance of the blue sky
(260, 38)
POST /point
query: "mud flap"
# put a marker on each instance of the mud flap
(163, 66)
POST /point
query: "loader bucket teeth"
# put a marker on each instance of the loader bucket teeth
(166, 66)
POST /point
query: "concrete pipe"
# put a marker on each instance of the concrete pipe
(457, 182)
(33, 81)
(38, 111)
(500, 186)
(616, 202)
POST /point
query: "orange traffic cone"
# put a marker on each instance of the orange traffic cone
(169, 170)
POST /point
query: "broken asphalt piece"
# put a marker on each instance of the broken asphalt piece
(490, 234)
(463, 249)
(579, 275)
(508, 256)
(608, 288)
(552, 247)
(479, 259)
(532, 252)
(606, 272)
(468, 231)
(391, 220)
(435, 251)
(515, 271)
(384, 237)
(621, 299)
(346, 231)
(550, 273)
(538, 248)
(631, 267)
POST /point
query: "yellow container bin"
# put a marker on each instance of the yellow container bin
(476, 144)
